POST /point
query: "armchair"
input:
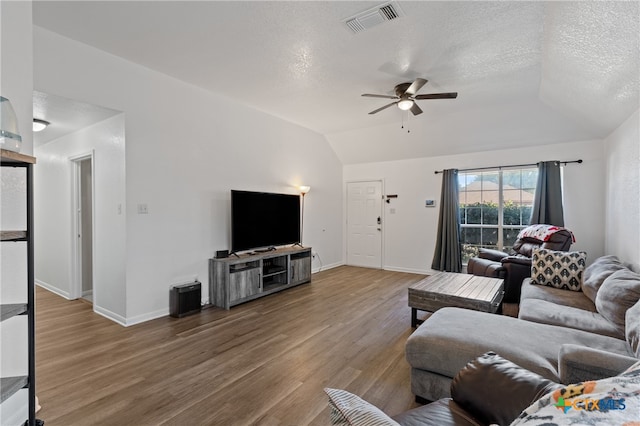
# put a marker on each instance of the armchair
(515, 267)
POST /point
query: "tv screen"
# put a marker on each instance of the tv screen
(263, 219)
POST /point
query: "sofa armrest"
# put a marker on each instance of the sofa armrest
(580, 363)
(485, 268)
(517, 268)
(507, 382)
(517, 260)
(495, 255)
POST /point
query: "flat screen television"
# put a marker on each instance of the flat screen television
(263, 220)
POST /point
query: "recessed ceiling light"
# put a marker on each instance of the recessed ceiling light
(39, 125)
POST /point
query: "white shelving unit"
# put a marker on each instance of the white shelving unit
(17, 307)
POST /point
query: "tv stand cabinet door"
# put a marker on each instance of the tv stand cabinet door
(243, 284)
(300, 269)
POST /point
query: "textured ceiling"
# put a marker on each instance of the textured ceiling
(65, 116)
(574, 65)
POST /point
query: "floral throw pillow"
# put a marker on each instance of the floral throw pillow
(559, 269)
(610, 401)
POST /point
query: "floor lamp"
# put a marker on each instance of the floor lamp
(303, 191)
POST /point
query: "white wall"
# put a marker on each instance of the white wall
(409, 234)
(186, 148)
(54, 212)
(16, 65)
(16, 84)
(622, 150)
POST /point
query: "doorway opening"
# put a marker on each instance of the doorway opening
(82, 229)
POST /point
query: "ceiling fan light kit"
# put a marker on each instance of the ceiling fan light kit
(405, 104)
(405, 96)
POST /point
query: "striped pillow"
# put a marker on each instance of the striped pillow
(349, 409)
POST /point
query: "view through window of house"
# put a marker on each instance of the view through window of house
(494, 206)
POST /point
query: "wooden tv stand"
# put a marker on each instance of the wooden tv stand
(238, 279)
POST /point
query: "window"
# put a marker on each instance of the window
(494, 206)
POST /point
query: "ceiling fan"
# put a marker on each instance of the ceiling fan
(406, 96)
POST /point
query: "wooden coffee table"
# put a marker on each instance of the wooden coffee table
(451, 289)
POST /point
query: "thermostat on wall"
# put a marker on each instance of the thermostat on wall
(430, 203)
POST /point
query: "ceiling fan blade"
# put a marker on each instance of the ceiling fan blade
(450, 95)
(415, 109)
(368, 95)
(384, 107)
(415, 86)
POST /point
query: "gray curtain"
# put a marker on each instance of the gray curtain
(547, 204)
(448, 256)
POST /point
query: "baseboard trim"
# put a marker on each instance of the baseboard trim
(110, 315)
(146, 317)
(410, 270)
(326, 267)
(53, 289)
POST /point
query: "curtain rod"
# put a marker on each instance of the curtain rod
(513, 165)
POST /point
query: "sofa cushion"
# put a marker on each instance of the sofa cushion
(546, 312)
(595, 274)
(443, 344)
(349, 409)
(558, 269)
(618, 292)
(632, 328)
(573, 299)
(580, 363)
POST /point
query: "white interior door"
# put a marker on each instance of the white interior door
(364, 224)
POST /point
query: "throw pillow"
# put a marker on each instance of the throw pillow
(559, 269)
(619, 292)
(610, 401)
(597, 272)
(632, 328)
(349, 409)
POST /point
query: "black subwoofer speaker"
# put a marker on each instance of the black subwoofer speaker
(185, 299)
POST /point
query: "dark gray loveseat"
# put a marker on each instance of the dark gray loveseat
(562, 335)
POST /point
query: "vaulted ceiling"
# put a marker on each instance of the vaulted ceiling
(526, 72)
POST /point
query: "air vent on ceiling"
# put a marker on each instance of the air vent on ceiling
(370, 18)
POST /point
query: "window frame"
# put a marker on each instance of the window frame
(500, 226)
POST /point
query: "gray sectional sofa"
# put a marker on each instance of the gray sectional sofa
(565, 336)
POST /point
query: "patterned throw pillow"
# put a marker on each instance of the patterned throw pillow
(349, 409)
(559, 269)
(610, 401)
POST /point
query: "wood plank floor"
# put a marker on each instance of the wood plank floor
(264, 362)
